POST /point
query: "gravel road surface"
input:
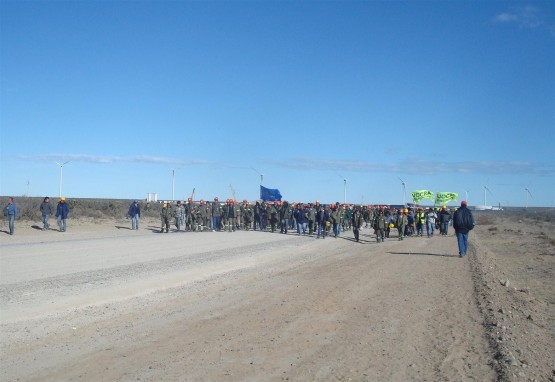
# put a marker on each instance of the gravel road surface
(104, 303)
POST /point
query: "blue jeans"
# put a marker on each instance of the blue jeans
(135, 222)
(430, 228)
(443, 227)
(216, 223)
(62, 223)
(11, 223)
(322, 230)
(283, 225)
(45, 224)
(336, 229)
(301, 227)
(462, 240)
(178, 222)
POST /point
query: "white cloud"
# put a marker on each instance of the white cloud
(406, 166)
(505, 18)
(528, 17)
(113, 159)
(418, 166)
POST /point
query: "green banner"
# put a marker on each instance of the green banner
(417, 196)
(446, 197)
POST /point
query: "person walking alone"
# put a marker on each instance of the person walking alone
(11, 212)
(135, 214)
(463, 223)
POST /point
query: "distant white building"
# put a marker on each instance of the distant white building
(151, 196)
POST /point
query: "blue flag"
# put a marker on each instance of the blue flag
(269, 195)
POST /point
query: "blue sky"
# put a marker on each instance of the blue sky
(447, 96)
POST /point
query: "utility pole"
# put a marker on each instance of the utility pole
(173, 184)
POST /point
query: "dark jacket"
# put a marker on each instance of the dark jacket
(285, 212)
(134, 209)
(46, 208)
(463, 221)
(357, 220)
(62, 210)
(322, 217)
(301, 215)
(444, 216)
(228, 211)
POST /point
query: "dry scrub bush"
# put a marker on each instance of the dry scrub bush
(482, 219)
(28, 208)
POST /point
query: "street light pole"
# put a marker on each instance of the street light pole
(61, 174)
(344, 191)
(173, 184)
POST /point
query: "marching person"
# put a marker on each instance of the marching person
(62, 212)
(201, 218)
(431, 217)
(46, 211)
(444, 218)
(321, 220)
(402, 221)
(463, 223)
(356, 221)
(11, 212)
(420, 222)
(229, 212)
(247, 212)
(165, 217)
(301, 216)
(274, 215)
(284, 215)
(257, 216)
(390, 221)
(379, 226)
(179, 215)
(334, 216)
(216, 215)
(134, 213)
(311, 219)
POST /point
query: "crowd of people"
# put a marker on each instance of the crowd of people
(311, 219)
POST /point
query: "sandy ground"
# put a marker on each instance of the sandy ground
(104, 303)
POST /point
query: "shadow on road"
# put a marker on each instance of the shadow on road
(422, 254)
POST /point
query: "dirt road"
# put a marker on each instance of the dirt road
(98, 303)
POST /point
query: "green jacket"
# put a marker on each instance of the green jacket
(357, 220)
